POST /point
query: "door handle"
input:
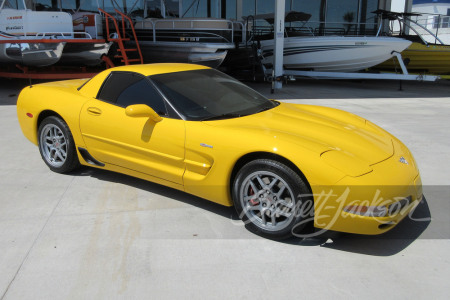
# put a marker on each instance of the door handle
(94, 111)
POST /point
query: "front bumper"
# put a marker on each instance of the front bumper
(393, 189)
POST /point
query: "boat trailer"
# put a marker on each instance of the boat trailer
(289, 74)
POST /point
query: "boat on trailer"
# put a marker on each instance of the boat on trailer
(89, 45)
(202, 41)
(44, 38)
(329, 53)
(334, 53)
(20, 41)
(421, 56)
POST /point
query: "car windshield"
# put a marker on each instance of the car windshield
(207, 94)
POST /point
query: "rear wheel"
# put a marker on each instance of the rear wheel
(272, 199)
(56, 145)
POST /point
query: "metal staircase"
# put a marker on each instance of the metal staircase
(120, 37)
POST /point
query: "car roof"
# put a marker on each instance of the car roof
(161, 68)
(92, 86)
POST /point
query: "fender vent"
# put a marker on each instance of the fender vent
(88, 158)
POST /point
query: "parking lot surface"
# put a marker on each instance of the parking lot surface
(94, 234)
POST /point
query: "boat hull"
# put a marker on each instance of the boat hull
(43, 38)
(211, 55)
(334, 54)
(31, 54)
(432, 59)
(86, 54)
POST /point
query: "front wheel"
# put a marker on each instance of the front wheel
(272, 199)
(56, 145)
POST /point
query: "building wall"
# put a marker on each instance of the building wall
(351, 16)
(435, 16)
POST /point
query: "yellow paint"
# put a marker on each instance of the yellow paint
(333, 149)
(142, 111)
(431, 59)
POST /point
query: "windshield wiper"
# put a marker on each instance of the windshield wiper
(223, 116)
(233, 115)
(263, 109)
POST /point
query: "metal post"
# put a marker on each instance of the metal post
(223, 9)
(163, 9)
(208, 8)
(239, 4)
(279, 42)
(124, 4)
(401, 63)
(437, 29)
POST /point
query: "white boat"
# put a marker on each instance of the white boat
(190, 40)
(43, 38)
(334, 53)
(89, 46)
(29, 52)
(19, 39)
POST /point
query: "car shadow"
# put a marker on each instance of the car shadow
(387, 244)
(174, 194)
(10, 89)
(10, 98)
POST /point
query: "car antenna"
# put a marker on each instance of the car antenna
(31, 85)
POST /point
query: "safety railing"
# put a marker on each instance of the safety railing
(319, 29)
(211, 30)
(64, 35)
(119, 37)
(125, 19)
(433, 27)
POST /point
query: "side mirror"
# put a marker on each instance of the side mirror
(142, 111)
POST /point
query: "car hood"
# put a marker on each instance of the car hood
(320, 129)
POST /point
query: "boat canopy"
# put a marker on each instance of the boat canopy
(291, 16)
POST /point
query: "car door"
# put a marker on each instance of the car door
(139, 144)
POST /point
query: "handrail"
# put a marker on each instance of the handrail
(191, 27)
(63, 34)
(119, 39)
(427, 30)
(356, 31)
(415, 31)
(108, 16)
(192, 21)
(243, 30)
(429, 19)
(406, 21)
(134, 32)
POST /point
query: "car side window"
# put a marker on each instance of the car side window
(127, 88)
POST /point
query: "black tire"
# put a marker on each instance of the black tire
(57, 146)
(287, 202)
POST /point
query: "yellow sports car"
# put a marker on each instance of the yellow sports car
(283, 166)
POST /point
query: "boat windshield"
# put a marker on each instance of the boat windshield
(202, 95)
(14, 4)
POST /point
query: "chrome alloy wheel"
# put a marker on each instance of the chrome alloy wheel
(53, 145)
(267, 200)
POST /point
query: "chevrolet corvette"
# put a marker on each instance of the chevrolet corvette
(282, 166)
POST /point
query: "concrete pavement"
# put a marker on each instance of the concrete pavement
(95, 234)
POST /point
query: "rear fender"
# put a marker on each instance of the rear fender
(35, 100)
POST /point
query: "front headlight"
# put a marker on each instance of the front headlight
(366, 211)
(346, 163)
